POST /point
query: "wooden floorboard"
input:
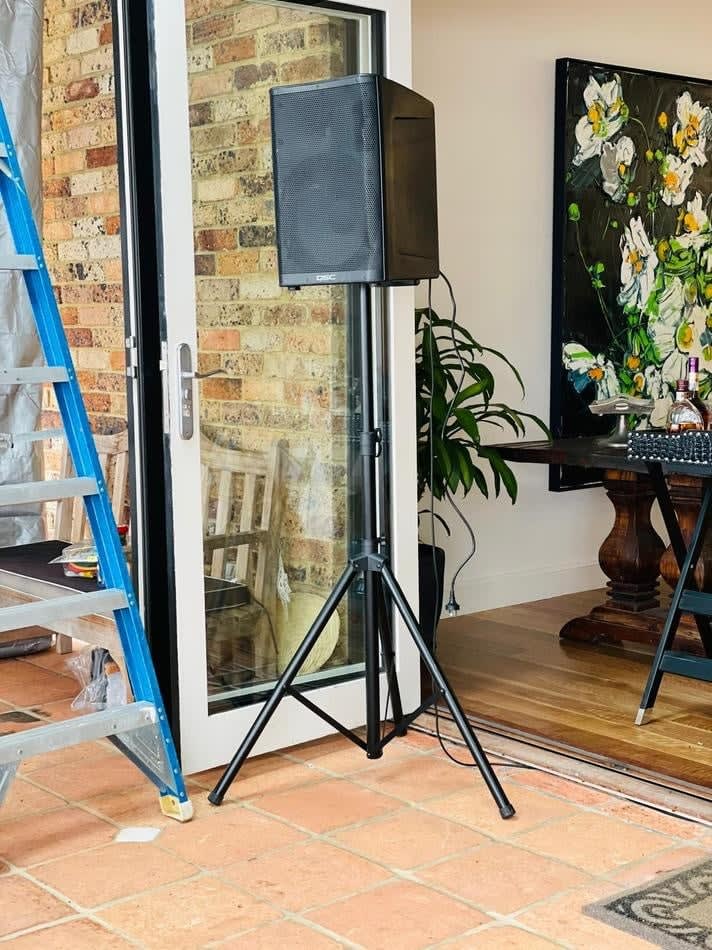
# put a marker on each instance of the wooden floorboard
(509, 667)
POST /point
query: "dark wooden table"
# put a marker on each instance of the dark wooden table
(633, 556)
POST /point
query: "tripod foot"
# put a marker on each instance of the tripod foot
(214, 798)
(640, 717)
(507, 811)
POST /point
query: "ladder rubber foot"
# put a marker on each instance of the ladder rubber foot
(507, 811)
(640, 717)
(172, 807)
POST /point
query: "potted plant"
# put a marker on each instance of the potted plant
(455, 402)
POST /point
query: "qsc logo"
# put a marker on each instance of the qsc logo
(326, 278)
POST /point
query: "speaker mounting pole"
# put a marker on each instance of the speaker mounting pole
(380, 587)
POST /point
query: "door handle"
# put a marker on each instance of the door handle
(199, 376)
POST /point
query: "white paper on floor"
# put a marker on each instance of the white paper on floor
(137, 835)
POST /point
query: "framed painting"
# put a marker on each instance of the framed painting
(632, 270)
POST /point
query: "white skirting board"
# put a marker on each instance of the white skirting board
(503, 590)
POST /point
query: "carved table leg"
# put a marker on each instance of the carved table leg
(630, 558)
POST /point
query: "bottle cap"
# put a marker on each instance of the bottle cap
(681, 385)
(693, 364)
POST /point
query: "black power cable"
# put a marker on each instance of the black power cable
(452, 604)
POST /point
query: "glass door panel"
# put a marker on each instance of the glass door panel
(274, 367)
(262, 496)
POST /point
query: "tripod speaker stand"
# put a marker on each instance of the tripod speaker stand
(379, 585)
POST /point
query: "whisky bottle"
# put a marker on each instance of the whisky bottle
(684, 415)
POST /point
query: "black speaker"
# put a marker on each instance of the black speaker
(355, 186)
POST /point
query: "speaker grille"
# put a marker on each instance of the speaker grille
(328, 180)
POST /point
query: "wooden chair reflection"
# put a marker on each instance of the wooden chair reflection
(242, 505)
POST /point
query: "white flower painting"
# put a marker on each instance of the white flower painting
(675, 176)
(634, 275)
(617, 167)
(638, 265)
(692, 129)
(606, 113)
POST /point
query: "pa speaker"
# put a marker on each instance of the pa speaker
(355, 186)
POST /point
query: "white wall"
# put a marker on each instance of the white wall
(488, 65)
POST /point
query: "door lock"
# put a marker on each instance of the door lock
(185, 400)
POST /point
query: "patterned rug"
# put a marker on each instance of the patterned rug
(674, 912)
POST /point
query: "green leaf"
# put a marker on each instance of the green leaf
(480, 480)
(476, 389)
(501, 356)
(468, 424)
(501, 469)
(574, 212)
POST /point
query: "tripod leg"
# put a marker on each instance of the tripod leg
(374, 749)
(478, 754)
(389, 656)
(283, 684)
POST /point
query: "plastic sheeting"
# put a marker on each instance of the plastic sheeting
(21, 24)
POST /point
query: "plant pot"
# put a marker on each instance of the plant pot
(431, 565)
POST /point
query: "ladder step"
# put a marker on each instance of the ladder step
(18, 262)
(22, 375)
(43, 612)
(58, 735)
(9, 440)
(696, 602)
(3, 150)
(687, 664)
(52, 490)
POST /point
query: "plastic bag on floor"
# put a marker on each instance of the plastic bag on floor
(102, 681)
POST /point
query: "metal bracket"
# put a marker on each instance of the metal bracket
(131, 357)
(369, 562)
(372, 443)
(144, 747)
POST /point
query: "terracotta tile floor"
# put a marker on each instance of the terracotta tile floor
(314, 848)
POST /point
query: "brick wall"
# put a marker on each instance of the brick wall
(284, 352)
(81, 199)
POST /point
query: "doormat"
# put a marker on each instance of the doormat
(673, 912)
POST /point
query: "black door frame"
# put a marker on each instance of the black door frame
(139, 167)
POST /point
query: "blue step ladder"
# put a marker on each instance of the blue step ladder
(139, 729)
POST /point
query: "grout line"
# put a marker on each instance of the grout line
(497, 925)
